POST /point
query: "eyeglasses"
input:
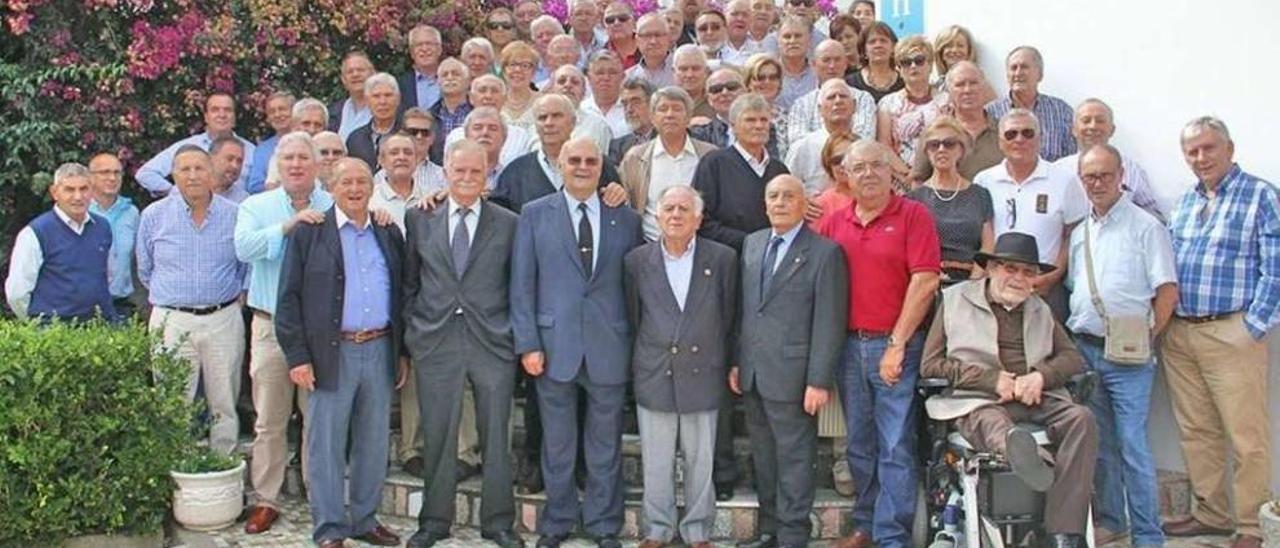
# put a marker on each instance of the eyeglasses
(332, 152)
(418, 131)
(1095, 178)
(500, 25)
(1026, 133)
(768, 77)
(800, 3)
(1011, 205)
(720, 88)
(861, 167)
(616, 19)
(941, 144)
(917, 61)
(709, 27)
(589, 161)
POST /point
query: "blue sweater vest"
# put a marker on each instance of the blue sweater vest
(72, 284)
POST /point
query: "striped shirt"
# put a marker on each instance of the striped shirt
(1227, 251)
(184, 265)
(1056, 118)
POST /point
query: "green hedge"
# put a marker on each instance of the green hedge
(91, 422)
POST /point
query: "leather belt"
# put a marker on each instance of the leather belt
(1205, 319)
(365, 335)
(1100, 342)
(201, 310)
(869, 334)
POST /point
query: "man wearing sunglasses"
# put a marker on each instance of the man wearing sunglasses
(1031, 196)
(620, 26)
(710, 29)
(1024, 69)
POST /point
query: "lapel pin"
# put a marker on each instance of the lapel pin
(797, 260)
(613, 223)
(706, 272)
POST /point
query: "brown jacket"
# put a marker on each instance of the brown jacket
(634, 170)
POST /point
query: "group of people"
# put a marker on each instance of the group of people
(702, 209)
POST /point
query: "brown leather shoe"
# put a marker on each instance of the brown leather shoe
(650, 543)
(1246, 541)
(859, 539)
(380, 536)
(1103, 536)
(332, 543)
(260, 519)
(1192, 527)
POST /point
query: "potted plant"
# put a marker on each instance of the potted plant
(209, 491)
(1269, 521)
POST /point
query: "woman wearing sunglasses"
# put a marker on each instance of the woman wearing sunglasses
(904, 114)
(764, 76)
(962, 211)
(500, 28)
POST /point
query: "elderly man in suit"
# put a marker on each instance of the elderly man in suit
(569, 315)
(678, 363)
(670, 160)
(998, 344)
(338, 321)
(791, 329)
(457, 328)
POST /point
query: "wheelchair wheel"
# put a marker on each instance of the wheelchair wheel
(989, 535)
(920, 525)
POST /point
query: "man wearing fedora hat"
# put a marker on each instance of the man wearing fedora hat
(1007, 360)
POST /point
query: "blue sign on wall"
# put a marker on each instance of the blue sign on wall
(905, 16)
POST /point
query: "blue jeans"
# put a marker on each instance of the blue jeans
(881, 423)
(1126, 469)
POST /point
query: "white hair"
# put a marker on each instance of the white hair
(381, 79)
(309, 103)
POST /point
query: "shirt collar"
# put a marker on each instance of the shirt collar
(788, 236)
(764, 161)
(593, 202)
(72, 222)
(686, 150)
(1232, 174)
(1041, 171)
(688, 252)
(455, 206)
(1116, 210)
(343, 220)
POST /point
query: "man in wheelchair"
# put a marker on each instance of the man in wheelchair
(1007, 362)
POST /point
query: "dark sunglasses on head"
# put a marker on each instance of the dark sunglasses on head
(709, 27)
(919, 61)
(940, 144)
(501, 25)
(615, 19)
(1026, 133)
(727, 86)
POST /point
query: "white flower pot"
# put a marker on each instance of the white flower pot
(1269, 520)
(208, 501)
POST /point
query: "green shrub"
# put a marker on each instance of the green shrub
(91, 422)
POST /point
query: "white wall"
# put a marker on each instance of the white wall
(1158, 64)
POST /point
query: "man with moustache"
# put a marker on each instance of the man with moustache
(636, 93)
(340, 328)
(458, 330)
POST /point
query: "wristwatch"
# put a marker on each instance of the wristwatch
(893, 341)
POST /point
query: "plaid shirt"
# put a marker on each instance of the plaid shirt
(1228, 251)
(1056, 118)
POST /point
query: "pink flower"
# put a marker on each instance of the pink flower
(19, 24)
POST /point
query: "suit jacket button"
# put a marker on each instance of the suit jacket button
(675, 349)
(695, 370)
(334, 343)
(458, 312)
(694, 349)
(759, 314)
(668, 372)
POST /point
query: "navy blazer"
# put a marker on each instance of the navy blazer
(555, 308)
(360, 144)
(309, 311)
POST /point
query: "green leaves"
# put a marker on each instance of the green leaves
(91, 422)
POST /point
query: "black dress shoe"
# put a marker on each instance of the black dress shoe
(465, 470)
(1064, 540)
(606, 541)
(1023, 454)
(530, 481)
(552, 541)
(505, 539)
(724, 491)
(425, 539)
(413, 467)
(763, 541)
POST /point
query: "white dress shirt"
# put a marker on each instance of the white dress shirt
(679, 271)
(472, 220)
(615, 116)
(737, 56)
(1132, 256)
(666, 171)
(27, 259)
(1043, 205)
(593, 217)
(385, 198)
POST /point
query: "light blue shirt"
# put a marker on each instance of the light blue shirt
(787, 237)
(261, 159)
(353, 118)
(184, 265)
(366, 289)
(123, 218)
(260, 240)
(154, 174)
(593, 217)
(428, 89)
(679, 271)
(1132, 256)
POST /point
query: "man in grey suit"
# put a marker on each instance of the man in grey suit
(457, 266)
(682, 296)
(569, 315)
(792, 327)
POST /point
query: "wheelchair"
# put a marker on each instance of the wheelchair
(971, 498)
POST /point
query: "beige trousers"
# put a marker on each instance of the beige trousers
(273, 395)
(1217, 375)
(213, 345)
(411, 424)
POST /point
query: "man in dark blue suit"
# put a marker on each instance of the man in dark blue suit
(569, 314)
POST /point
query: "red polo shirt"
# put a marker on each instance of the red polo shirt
(882, 256)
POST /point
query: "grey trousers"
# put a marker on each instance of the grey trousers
(784, 440)
(359, 407)
(696, 432)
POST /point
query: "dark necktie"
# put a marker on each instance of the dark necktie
(584, 238)
(461, 244)
(766, 268)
